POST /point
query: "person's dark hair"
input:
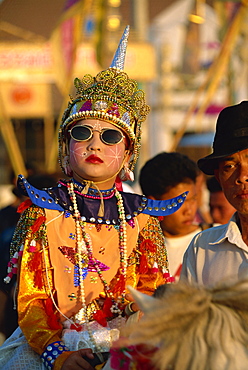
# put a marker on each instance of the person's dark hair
(42, 180)
(213, 185)
(165, 171)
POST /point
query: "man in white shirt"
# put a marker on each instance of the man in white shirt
(221, 252)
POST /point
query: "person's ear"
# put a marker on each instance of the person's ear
(66, 166)
(127, 155)
(125, 173)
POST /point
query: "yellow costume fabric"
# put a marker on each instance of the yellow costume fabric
(48, 262)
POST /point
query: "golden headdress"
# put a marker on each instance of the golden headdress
(110, 96)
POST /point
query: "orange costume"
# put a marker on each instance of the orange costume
(79, 245)
(49, 293)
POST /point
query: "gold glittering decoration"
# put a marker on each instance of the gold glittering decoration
(153, 232)
(84, 259)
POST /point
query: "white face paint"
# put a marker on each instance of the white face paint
(94, 160)
(115, 156)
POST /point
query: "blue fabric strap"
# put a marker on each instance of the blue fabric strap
(164, 207)
(37, 196)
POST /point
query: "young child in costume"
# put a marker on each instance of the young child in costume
(81, 243)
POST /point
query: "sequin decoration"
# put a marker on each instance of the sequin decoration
(114, 110)
(100, 104)
(93, 279)
(67, 269)
(131, 223)
(73, 257)
(96, 263)
(84, 273)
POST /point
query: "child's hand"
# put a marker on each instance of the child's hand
(76, 361)
(133, 305)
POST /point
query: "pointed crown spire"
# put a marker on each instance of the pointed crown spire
(120, 54)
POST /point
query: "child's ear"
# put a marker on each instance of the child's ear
(128, 155)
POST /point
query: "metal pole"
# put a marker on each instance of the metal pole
(11, 142)
(140, 17)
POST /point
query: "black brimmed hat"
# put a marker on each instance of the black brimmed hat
(231, 136)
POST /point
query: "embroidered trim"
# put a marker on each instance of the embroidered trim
(51, 352)
(92, 193)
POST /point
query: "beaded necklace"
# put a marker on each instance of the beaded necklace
(110, 193)
(84, 249)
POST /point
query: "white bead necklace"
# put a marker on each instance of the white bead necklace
(84, 250)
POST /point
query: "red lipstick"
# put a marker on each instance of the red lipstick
(93, 159)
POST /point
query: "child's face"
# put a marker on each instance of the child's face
(181, 222)
(95, 160)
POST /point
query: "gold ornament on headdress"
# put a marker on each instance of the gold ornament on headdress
(110, 96)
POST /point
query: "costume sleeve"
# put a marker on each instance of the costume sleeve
(36, 312)
(151, 266)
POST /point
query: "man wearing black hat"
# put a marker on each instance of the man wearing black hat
(222, 252)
